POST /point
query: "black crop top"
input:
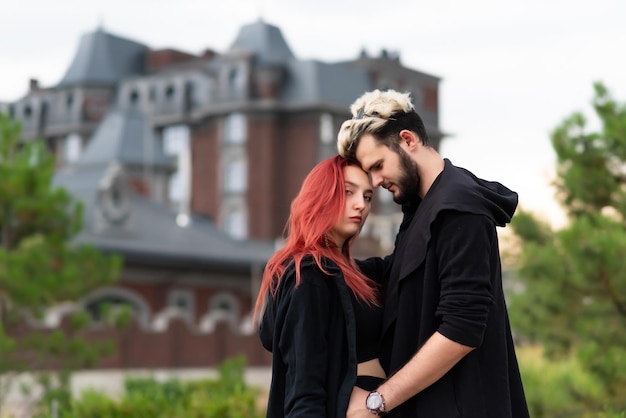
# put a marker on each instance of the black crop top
(369, 321)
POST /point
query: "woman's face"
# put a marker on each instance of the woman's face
(358, 202)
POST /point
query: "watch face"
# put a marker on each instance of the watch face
(373, 401)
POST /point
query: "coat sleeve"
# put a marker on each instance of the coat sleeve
(464, 246)
(304, 346)
(375, 268)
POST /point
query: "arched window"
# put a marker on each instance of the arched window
(113, 297)
(226, 303)
(182, 300)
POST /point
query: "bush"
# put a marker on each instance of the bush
(563, 389)
(226, 397)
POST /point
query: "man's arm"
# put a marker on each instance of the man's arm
(436, 357)
(463, 307)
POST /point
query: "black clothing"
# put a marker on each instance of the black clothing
(446, 277)
(369, 320)
(369, 383)
(310, 331)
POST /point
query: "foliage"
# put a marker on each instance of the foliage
(560, 387)
(226, 397)
(39, 265)
(574, 279)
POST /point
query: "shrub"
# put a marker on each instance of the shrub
(226, 397)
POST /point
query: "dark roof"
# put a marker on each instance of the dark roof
(153, 235)
(265, 41)
(318, 82)
(104, 59)
(125, 136)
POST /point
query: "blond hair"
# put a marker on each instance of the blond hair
(370, 113)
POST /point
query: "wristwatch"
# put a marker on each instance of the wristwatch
(375, 403)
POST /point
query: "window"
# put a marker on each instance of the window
(176, 142)
(73, 147)
(224, 302)
(69, 101)
(236, 224)
(235, 130)
(326, 128)
(236, 176)
(169, 93)
(103, 300)
(183, 300)
(430, 99)
(134, 97)
(236, 81)
(175, 139)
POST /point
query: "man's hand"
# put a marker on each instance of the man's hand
(357, 408)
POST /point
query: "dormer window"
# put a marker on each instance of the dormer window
(236, 81)
(69, 101)
(134, 97)
(169, 92)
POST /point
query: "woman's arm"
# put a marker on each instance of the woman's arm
(304, 346)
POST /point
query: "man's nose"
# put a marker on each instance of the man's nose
(377, 180)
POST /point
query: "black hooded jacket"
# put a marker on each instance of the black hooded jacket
(446, 276)
(310, 330)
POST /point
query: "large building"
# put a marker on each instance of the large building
(188, 163)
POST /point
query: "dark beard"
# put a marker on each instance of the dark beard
(409, 182)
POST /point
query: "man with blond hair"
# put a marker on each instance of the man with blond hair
(446, 342)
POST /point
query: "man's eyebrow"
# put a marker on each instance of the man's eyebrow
(368, 169)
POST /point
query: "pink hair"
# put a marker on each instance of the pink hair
(318, 206)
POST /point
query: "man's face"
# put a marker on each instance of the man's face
(395, 171)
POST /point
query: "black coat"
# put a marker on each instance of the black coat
(446, 277)
(310, 331)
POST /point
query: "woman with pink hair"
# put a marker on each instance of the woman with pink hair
(321, 313)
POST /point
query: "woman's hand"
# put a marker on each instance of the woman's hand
(356, 408)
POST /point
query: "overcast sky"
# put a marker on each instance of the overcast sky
(510, 71)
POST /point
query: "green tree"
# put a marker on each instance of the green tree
(574, 293)
(40, 267)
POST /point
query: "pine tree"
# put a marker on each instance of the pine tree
(40, 266)
(574, 279)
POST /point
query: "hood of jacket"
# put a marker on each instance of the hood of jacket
(455, 189)
(459, 189)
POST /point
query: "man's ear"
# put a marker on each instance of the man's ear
(409, 138)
